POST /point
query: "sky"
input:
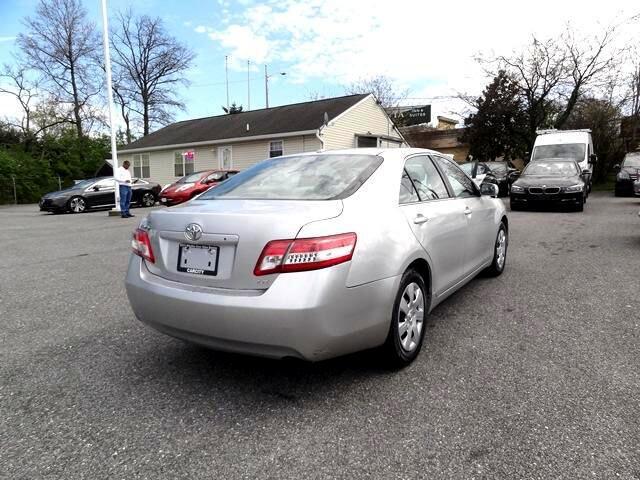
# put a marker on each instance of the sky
(426, 47)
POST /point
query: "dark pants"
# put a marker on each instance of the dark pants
(125, 200)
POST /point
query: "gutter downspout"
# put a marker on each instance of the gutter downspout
(318, 135)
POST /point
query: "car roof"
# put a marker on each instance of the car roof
(562, 137)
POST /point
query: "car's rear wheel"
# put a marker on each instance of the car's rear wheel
(406, 333)
(148, 199)
(77, 205)
(499, 252)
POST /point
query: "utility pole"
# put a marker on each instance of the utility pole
(15, 193)
(226, 76)
(107, 64)
(266, 86)
(248, 87)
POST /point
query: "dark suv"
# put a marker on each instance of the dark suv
(628, 173)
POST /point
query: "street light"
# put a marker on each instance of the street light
(266, 84)
(107, 64)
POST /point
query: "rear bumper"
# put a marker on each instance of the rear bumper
(308, 315)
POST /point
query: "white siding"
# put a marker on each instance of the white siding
(365, 118)
(244, 155)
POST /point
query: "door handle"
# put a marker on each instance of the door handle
(467, 211)
(420, 219)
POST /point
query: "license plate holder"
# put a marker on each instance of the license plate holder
(198, 259)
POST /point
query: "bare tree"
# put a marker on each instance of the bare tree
(537, 71)
(554, 73)
(384, 89)
(151, 65)
(61, 44)
(26, 93)
(587, 62)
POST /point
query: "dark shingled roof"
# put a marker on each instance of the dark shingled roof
(267, 121)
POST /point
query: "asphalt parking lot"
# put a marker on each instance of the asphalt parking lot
(535, 374)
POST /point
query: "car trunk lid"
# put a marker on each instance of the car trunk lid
(233, 234)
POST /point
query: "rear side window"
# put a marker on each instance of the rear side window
(461, 185)
(303, 177)
(408, 192)
(425, 178)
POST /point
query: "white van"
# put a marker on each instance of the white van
(570, 144)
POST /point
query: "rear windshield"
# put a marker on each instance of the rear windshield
(497, 167)
(632, 160)
(573, 151)
(194, 177)
(542, 168)
(307, 177)
(467, 167)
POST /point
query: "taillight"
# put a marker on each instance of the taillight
(141, 245)
(302, 254)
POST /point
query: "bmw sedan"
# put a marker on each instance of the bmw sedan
(551, 182)
(97, 193)
(317, 255)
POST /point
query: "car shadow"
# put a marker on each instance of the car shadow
(244, 380)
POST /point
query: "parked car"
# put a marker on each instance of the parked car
(628, 174)
(636, 188)
(317, 255)
(97, 193)
(576, 145)
(481, 174)
(505, 173)
(546, 182)
(501, 172)
(193, 184)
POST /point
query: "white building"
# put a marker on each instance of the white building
(237, 141)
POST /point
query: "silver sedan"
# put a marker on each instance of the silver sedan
(318, 255)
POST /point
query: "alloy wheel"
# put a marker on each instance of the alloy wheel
(501, 248)
(411, 317)
(148, 199)
(77, 205)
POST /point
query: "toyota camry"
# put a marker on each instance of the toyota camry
(318, 255)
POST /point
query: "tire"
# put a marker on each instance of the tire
(148, 199)
(408, 321)
(77, 205)
(499, 252)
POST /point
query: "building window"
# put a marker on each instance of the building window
(184, 163)
(276, 148)
(367, 142)
(141, 167)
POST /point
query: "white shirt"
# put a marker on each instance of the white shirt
(122, 175)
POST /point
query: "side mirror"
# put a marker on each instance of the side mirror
(593, 158)
(490, 189)
(586, 171)
(96, 188)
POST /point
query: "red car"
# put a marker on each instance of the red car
(193, 184)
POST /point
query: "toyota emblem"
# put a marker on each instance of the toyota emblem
(193, 232)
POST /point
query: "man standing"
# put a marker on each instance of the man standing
(123, 177)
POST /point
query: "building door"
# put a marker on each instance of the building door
(225, 158)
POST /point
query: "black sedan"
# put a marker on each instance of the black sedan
(628, 173)
(97, 193)
(550, 182)
(500, 172)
